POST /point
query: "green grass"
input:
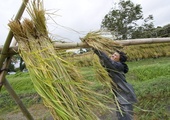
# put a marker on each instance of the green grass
(148, 69)
(153, 98)
(150, 78)
(21, 82)
(23, 86)
(149, 61)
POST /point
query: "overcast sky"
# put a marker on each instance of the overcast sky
(78, 17)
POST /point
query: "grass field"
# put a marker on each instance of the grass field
(150, 78)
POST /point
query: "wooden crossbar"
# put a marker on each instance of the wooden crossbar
(14, 50)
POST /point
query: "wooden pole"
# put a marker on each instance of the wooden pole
(5, 60)
(14, 50)
(4, 51)
(143, 41)
(121, 42)
(17, 100)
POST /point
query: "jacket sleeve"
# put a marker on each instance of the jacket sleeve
(106, 61)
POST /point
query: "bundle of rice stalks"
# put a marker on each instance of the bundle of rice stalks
(63, 89)
(136, 52)
(97, 41)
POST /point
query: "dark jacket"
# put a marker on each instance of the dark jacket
(125, 92)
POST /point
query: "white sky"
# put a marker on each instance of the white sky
(80, 16)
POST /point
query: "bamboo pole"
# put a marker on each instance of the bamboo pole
(143, 41)
(5, 60)
(14, 50)
(4, 51)
(11, 51)
(17, 100)
(121, 42)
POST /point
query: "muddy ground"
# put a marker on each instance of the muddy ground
(40, 112)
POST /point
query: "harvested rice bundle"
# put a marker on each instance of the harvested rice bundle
(63, 89)
(135, 52)
(96, 40)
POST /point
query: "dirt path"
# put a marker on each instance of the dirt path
(39, 112)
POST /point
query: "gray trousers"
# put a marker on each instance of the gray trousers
(127, 112)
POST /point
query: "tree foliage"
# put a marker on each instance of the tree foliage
(162, 31)
(15, 60)
(144, 30)
(122, 20)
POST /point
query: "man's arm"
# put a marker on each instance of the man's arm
(108, 63)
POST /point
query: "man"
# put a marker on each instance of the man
(116, 68)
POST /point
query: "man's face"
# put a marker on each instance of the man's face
(115, 57)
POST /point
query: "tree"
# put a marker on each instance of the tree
(145, 30)
(17, 59)
(122, 20)
(22, 65)
(162, 31)
(11, 68)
